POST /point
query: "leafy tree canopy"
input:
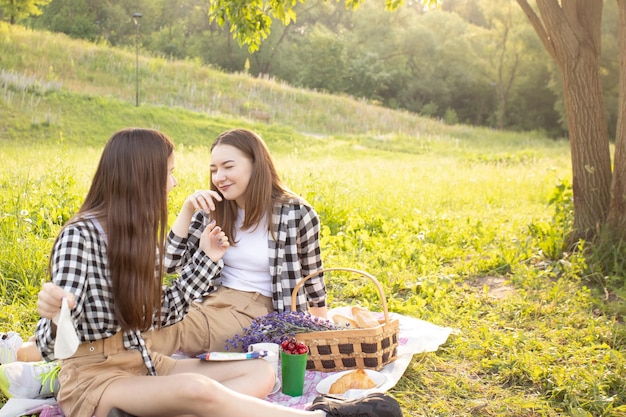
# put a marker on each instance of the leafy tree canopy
(16, 10)
(251, 20)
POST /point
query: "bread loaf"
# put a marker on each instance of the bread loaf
(364, 317)
(345, 321)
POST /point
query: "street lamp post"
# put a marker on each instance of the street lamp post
(136, 18)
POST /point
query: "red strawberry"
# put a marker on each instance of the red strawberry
(292, 346)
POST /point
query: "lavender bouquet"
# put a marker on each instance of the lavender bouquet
(276, 327)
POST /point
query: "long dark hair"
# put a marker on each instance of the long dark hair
(265, 186)
(129, 194)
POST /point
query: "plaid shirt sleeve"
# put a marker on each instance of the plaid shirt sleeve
(310, 256)
(296, 254)
(178, 251)
(79, 267)
(196, 277)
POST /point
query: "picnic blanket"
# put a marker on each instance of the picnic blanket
(415, 336)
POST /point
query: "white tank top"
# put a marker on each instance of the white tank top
(247, 265)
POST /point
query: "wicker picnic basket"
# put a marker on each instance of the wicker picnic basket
(339, 350)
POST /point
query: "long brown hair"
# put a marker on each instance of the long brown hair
(265, 186)
(129, 193)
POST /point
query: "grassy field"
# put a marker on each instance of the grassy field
(462, 226)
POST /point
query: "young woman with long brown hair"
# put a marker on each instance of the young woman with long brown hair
(274, 237)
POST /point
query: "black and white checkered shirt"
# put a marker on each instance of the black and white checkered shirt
(294, 255)
(80, 266)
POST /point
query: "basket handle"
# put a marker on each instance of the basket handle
(379, 287)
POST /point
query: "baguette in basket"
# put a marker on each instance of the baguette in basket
(364, 318)
(361, 319)
(345, 321)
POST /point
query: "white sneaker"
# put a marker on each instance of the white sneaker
(32, 380)
(9, 344)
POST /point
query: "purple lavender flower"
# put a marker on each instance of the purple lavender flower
(276, 327)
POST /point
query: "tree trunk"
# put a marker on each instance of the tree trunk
(617, 209)
(589, 142)
(570, 31)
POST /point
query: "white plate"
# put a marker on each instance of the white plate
(324, 385)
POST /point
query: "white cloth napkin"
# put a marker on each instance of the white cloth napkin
(67, 340)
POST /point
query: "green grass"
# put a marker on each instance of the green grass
(456, 222)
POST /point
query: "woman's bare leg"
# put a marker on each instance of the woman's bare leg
(251, 377)
(187, 394)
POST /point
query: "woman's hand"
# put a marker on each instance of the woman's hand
(214, 242)
(50, 299)
(202, 200)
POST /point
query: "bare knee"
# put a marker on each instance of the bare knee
(197, 388)
(29, 352)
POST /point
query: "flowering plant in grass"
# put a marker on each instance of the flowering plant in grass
(277, 327)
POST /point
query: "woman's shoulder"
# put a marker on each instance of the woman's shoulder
(297, 207)
(293, 199)
(295, 202)
(85, 226)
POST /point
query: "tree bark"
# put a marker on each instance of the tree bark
(570, 31)
(617, 208)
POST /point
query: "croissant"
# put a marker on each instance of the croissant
(357, 379)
